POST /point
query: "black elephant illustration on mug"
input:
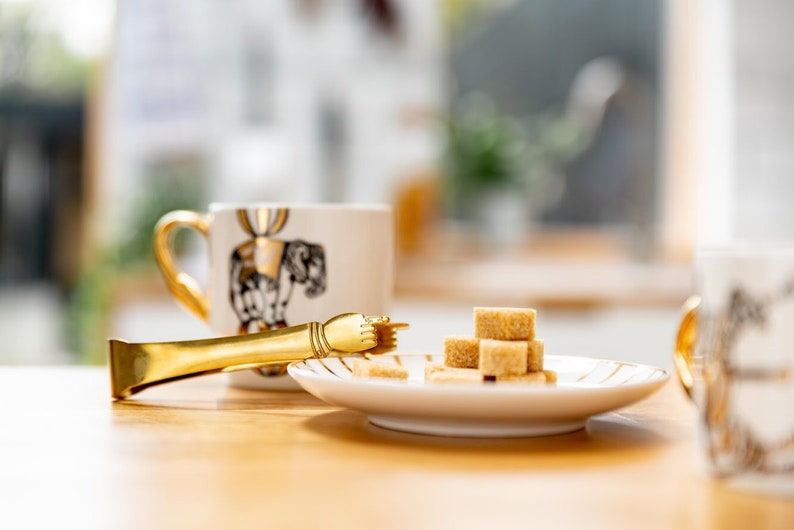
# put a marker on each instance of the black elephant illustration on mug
(264, 270)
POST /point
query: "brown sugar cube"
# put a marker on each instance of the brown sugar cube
(363, 368)
(535, 355)
(502, 357)
(550, 375)
(461, 351)
(456, 375)
(504, 323)
(528, 378)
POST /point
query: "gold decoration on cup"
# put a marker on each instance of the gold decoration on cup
(703, 359)
(183, 286)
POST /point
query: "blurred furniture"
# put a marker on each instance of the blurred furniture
(196, 454)
(561, 266)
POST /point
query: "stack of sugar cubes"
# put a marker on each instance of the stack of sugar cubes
(503, 348)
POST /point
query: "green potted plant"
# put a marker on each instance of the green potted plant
(503, 172)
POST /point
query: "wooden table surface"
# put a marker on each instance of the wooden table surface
(196, 454)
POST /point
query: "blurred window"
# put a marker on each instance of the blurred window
(593, 64)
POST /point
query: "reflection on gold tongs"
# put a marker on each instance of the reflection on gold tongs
(135, 367)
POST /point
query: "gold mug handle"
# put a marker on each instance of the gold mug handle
(184, 287)
(684, 358)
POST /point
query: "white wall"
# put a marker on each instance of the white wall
(189, 57)
(763, 74)
(729, 137)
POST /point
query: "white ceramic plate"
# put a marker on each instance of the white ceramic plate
(586, 387)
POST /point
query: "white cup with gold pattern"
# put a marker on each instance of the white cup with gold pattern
(277, 265)
(735, 357)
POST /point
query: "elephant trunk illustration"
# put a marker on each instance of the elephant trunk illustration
(306, 265)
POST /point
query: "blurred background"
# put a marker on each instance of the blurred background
(569, 156)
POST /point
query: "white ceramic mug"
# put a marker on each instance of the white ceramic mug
(276, 265)
(735, 357)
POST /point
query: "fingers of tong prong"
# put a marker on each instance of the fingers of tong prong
(373, 320)
(387, 337)
(369, 330)
(391, 327)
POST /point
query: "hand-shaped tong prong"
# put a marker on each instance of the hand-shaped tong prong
(134, 367)
(386, 333)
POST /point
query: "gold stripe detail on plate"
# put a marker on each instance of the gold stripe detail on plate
(652, 375)
(614, 372)
(342, 360)
(632, 376)
(585, 376)
(397, 360)
(321, 361)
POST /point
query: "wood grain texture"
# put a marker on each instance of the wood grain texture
(196, 454)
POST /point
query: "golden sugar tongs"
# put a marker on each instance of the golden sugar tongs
(135, 367)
